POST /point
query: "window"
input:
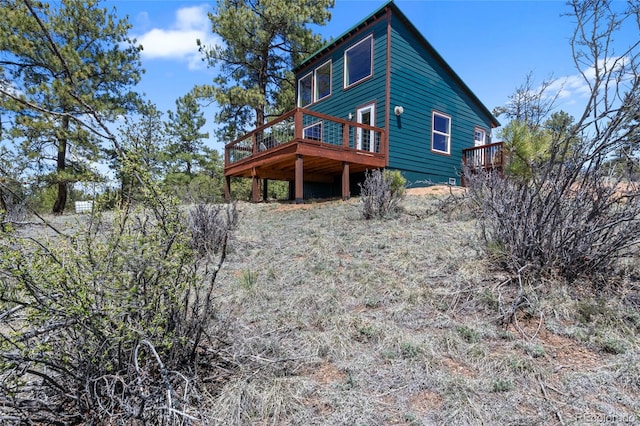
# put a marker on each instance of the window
(322, 77)
(304, 91)
(479, 136)
(358, 62)
(441, 133)
(315, 86)
(313, 132)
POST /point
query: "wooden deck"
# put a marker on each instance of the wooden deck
(304, 145)
(490, 157)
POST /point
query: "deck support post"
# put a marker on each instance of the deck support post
(255, 187)
(299, 182)
(265, 190)
(227, 189)
(346, 193)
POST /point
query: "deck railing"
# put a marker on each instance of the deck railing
(488, 157)
(491, 157)
(306, 126)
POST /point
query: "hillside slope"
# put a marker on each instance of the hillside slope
(335, 320)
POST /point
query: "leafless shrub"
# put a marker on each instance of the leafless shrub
(574, 222)
(570, 209)
(209, 225)
(13, 208)
(381, 193)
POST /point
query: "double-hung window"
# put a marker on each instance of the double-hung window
(305, 92)
(322, 79)
(315, 86)
(441, 133)
(358, 62)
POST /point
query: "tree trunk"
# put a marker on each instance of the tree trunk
(3, 210)
(61, 162)
(61, 199)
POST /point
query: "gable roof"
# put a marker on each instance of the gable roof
(377, 14)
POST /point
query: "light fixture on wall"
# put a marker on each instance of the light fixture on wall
(398, 110)
(350, 116)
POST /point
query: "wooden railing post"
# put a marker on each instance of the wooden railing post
(345, 134)
(297, 124)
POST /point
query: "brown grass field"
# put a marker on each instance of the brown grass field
(334, 320)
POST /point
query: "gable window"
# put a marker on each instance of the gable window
(313, 132)
(322, 78)
(304, 91)
(358, 62)
(441, 133)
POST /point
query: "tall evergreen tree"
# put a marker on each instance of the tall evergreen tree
(70, 66)
(184, 151)
(143, 139)
(263, 40)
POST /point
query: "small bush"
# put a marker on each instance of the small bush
(613, 346)
(381, 193)
(501, 385)
(248, 279)
(409, 350)
(468, 334)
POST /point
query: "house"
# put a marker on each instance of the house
(378, 96)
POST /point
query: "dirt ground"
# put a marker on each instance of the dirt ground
(435, 190)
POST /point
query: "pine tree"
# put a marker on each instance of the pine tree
(67, 69)
(184, 151)
(263, 41)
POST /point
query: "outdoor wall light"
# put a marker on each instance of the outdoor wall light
(398, 110)
(350, 116)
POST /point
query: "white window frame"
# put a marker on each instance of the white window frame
(316, 95)
(346, 82)
(361, 133)
(310, 75)
(434, 132)
(484, 136)
(311, 126)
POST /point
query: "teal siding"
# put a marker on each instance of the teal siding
(421, 84)
(344, 101)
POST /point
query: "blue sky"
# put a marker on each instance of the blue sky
(492, 45)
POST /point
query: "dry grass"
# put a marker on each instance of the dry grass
(338, 321)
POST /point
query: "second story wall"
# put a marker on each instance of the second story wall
(423, 85)
(345, 98)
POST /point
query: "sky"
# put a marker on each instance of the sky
(491, 45)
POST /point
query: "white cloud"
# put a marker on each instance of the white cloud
(178, 42)
(569, 88)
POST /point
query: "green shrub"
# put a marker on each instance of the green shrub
(501, 385)
(110, 323)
